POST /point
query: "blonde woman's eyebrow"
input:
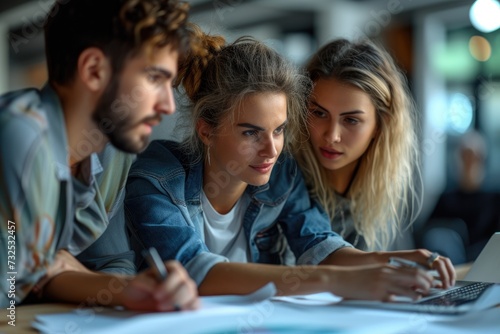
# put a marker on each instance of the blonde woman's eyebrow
(319, 106)
(352, 112)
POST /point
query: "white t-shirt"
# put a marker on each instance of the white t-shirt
(224, 234)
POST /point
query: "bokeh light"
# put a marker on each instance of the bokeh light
(484, 15)
(480, 48)
(460, 113)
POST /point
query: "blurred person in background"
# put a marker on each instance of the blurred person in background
(464, 218)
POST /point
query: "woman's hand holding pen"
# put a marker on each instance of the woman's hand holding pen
(407, 275)
(380, 282)
(146, 293)
(430, 261)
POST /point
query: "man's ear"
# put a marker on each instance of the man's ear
(204, 131)
(94, 69)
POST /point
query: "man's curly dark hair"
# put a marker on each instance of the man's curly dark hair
(120, 28)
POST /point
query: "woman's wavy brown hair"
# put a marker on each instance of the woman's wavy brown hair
(216, 77)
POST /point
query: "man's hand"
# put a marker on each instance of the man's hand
(177, 292)
(63, 261)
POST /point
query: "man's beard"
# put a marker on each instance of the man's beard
(113, 118)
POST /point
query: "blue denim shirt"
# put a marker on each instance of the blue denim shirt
(163, 209)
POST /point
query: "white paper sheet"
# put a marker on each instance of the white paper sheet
(323, 298)
(215, 312)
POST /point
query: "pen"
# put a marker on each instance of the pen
(154, 261)
(399, 262)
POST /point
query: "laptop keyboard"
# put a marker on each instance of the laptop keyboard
(459, 296)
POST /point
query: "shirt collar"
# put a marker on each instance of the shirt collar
(57, 133)
(91, 166)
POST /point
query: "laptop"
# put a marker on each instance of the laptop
(486, 268)
(479, 290)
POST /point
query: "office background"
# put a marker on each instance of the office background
(452, 65)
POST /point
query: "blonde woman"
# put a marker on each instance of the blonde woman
(360, 159)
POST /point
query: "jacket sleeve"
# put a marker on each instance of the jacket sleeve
(306, 225)
(155, 219)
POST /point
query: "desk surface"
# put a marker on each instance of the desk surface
(26, 314)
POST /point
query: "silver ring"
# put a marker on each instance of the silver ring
(432, 258)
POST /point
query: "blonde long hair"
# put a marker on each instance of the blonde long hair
(384, 192)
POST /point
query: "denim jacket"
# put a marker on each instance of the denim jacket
(163, 209)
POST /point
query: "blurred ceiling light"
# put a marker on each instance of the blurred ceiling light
(484, 15)
(460, 113)
(480, 48)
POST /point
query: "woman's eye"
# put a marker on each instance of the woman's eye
(250, 133)
(279, 130)
(318, 113)
(352, 121)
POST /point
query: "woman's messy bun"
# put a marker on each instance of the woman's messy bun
(191, 67)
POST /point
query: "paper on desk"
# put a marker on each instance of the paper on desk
(264, 293)
(215, 313)
(323, 298)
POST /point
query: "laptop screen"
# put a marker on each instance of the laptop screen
(486, 268)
